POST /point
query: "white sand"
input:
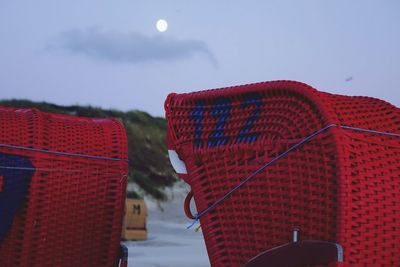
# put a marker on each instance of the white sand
(169, 243)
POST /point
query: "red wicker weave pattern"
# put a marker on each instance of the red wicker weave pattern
(369, 227)
(72, 214)
(339, 187)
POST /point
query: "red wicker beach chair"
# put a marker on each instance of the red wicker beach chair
(62, 190)
(271, 160)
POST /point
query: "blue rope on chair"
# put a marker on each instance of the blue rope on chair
(294, 147)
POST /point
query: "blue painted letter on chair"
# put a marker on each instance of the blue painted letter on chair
(16, 174)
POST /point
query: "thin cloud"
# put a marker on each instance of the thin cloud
(131, 47)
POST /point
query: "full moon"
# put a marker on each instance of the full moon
(162, 25)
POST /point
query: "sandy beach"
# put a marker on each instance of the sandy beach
(169, 243)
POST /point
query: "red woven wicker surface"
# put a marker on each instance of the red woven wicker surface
(370, 222)
(73, 211)
(340, 187)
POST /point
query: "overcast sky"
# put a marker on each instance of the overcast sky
(109, 53)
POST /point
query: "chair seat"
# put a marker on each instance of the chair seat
(310, 252)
